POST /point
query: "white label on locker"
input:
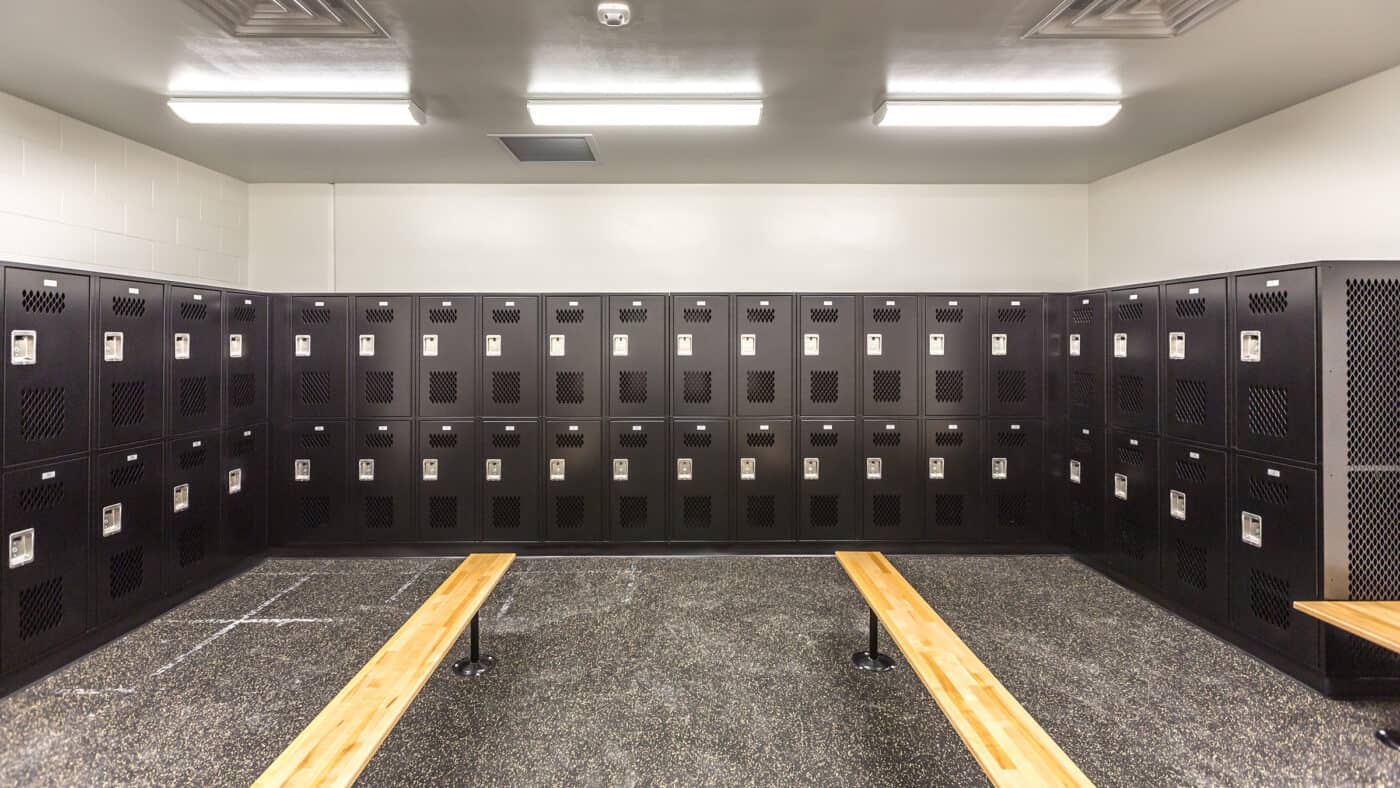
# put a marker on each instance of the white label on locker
(447, 428)
(811, 468)
(1085, 302)
(952, 303)
(430, 345)
(874, 344)
(685, 345)
(953, 427)
(1015, 426)
(366, 470)
(573, 428)
(935, 467)
(303, 345)
(811, 344)
(113, 346)
(685, 469)
(1015, 303)
(319, 428)
(619, 345)
(748, 468)
(1120, 345)
(510, 428)
(1076, 472)
(1251, 347)
(1076, 344)
(235, 346)
(556, 345)
(196, 444)
(1194, 291)
(235, 481)
(301, 470)
(137, 291)
(493, 345)
(999, 468)
(447, 303)
(699, 303)
(111, 520)
(493, 470)
(573, 303)
(1275, 474)
(24, 347)
(1176, 345)
(1195, 455)
(827, 303)
(134, 457)
(828, 427)
(748, 344)
(874, 467)
(700, 427)
(1272, 283)
(998, 344)
(1133, 297)
(182, 498)
(1132, 441)
(763, 303)
(636, 428)
(367, 345)
(937, 344)
(890, 427)
(246, 301)
(182, 346)
(430, 470)
(1120, 486)
(889, 303)
(556, 470)
(620, 469)
(510, 303)
(319, 303)
(50, 283)
(1251, 529)
(636, 303)
(198, 297)
(21, 548)
(1178, 510)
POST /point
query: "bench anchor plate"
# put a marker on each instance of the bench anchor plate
(872, 659)
(476, 664)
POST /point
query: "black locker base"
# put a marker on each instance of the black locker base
(653, 549)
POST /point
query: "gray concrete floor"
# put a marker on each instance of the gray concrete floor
(682, 671)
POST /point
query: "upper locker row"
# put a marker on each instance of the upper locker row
(594, 356)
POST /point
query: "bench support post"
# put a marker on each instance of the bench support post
(475, 664)
(1390, 737)
(873, 659)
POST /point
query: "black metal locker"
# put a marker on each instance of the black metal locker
(383, 357)
(1056, 487)
(1133, 342)
(700, 371)
(829, 505)
(700, 473)
(245, 489)
(1086, 359)
(890, 358)
(46, 382)
(1273, 555)
(381, 475)
(510, 498)
(1194, 498)
(44, 583)
(1133, 506)
(636, 351)
(317, 353)
(763, 355)
(1195, 397)
(573, 366)
(765, 484)
(1013, 465)
(510, 359)
(1276, 364)
(637, 468)
(130, 362)
(447, 481)
(247, 375)
(573, 490)
(195, 401)
(1084, 477)
(953, 496)
(892, 495)
(953, 355)
(448, 342)
(827, 370)
(125, 528)
(193, 491)
(312, 483)
(1016, 357)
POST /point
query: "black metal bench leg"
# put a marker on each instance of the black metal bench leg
(475, 664)
(1390, 737)
(873, 659)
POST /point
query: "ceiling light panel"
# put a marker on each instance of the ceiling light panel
(994, 114)
(1126, 18)
(291, 18)
(645, 112)
(298, 111)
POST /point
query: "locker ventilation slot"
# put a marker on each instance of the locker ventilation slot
(761, 386)
(948, 511)
(693, 315)
(761, 440)
(1270, 599)
(1013, 510)
(886, 510)
(1189, 402)
(315, 388)
(1373, 372)
(442, 315)
(1012, 440)
(1011, 315)
(761, 314)
(379, 512)
(194, 396)
(1128, 393)
(1274, 302)
(632, 314)
(823, 440)
(1268, 491)
(569, 511)
(505, 512)
(190, 545)
(568, 440)
(824, 511)
(568, 316)
(633, 440)
(314, 512)
(242, 447)
(950, 440)
(442, 388)
(885, 385)
(1357, 657)
(1267, 411)
(568, 388)
(886, 315)
(948, 315)
(1373, 531)
(696, 512)
(40, 608)
(316, 440)
(696, 387)
(128, 307)
(126, 475)
(242, 390)
(126, 572)
(1082, 523)
(1131, 456)
(697, 440)
(505, 440)
(1133, 541)
(632, 386)
(442, 512)
(1131, 311)
(948, 385)
(505, 316)
(442, 440)
(379, 387)
(825, 386)
(42, 413)
(1011, 386)
(505, 388)
(379, 315)
(826, 314)
(886, 439)
(193, 311)
(43, 302)
(315, 316)
(128, 403)
(1081, 388)
(760, 511)
(193, 458)
(1189, 472)
(1081, 315)
(41, 497)
(632, 511)
(1190, 308)
(1191, 564)
(379, 440)
(244, 313)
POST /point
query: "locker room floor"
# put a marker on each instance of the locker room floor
(716, 670)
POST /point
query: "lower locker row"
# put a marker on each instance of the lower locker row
(93, 540)
(744, 480)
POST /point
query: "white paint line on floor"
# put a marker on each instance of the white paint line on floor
(405, 586)
(110, 691)
(229, 627)
(277, 621)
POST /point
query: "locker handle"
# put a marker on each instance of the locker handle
(21, 548)
(24, 348)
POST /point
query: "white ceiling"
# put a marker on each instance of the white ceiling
(822, 66)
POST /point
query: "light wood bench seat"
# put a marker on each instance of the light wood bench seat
(1377, 622)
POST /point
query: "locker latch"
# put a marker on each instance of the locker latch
(685, 469)
(430, 345)
(366, 345)
(556, 345)
(874, 468)
(999, 344)
(748, 344)
(182, 346)
(21, 548)
(685, 345)
(24, 348)
(874, 344)
(1176, 346)
(935, 467)
(1251, 346)
(303, 346)
(1120, 486)
(301, 470)
(1076, 345)
(556, 470)
(620, 469)
(113, 346)
(235, 481)
(366, 470)
(493, 345)
(1120, 345)
(430, 470)
(111, 520)
(493, 470)
(1178, 499)
(619, 345)
(235, 346)
(1251, 529)
(811, 344)
(1076, 472)
(811, 468)
(748, 468)
(999, 468)
(937, 344)
(182, 498)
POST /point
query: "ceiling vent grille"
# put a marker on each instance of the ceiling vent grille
(292, 18)
(550, 148)
(1126, 18)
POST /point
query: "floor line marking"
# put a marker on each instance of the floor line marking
(229, 628)
(277, 621)
(405, 586)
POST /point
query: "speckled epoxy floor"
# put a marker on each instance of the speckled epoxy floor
(682, 671)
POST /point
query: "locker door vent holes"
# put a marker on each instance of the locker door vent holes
(379, 512)
(632, 512)
(128, 403)
(315, 388)
(632, 386)
(948, 315)
(190, 545)
(442, 512)
(886, 439)
(505, 512)
(243, 313)
(632, 314)
(40, 608)
(886, 314)
(823, 440)
(1189, 472)
(1013, 510)
(242, 447)
(41, 497)
(948, 385)
(1131, 456)
(760, 511)
(1273, 302)
(568, 440)
(1081, 315)
(886, 385)
(824, 511)
(123, 306)
(1012, 439)
(886, 510)
(1081, 388)
(760, 440)
(1189, 401)
(1131, 311)
(379, 440)
(442, 440)
(43, 302)
(632, 440)
(379, 387)
(697, 315)
(1267, 411)
(1011, 386)
(568, 388)
(761, 314)
(242, 389)
(505, 440)
(944, 439)
(1191, 564)
(1129, 392)
(127, 475)
(315, 440)
(505, 388)
(316, 316)
(193, 310)
(948, 511)
(1190, 308)
(1011, 315)
(825, 314)
(314, 512)
(761, 386)
(697, 387)
(194, 396)
(379, 315)
(825, 386)
(442, 387)
(508, 316)
(1373, 530)
(442, 315)
(697, 440)
(126, 572)
(43, 413)
(1269, 491)
(696, 512)
(193, 458)
(568, 316)
(1373, 374)
(1270, 599)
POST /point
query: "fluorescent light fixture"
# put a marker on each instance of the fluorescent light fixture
(297, 111)
(996, 113)
(645, 112)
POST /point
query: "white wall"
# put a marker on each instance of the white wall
(75, 196)
(1320, 180)
(291, 243)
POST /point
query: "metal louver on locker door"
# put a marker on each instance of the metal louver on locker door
(46, 382)
(636, 352)
(130, 386)
(573, 356)
(953, 355)
(827, 355)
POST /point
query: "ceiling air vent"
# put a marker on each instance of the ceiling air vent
(550, 148)
(1126, 18)
(292, 18)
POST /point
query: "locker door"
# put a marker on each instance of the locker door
(953, 481)
(1133, 359)
(511, 490)
(1194, 393)
(192, 498)
(46, 382)
(1085, 358)
(893, 470)
(1056, 489)
(510, 361)
(1194, 496)
(124, 528)
(1014, 469)
(573, 356)
(447, 351)
(382, 480)
(1133, 510)
(700, 347)
(1016, 360)
(1276, 395)
(573, 469)
(246, 352)
(762, 469)
(195, 349)
(829, 508)
(700, 473)
(447, 481)
(953, 355)
(245, 486)
(637, 471)
(1084, 476)
(1273, 555)
(890, 358)
(44, 604)
(827, 370)
(317, 348)
(312, 483)
(636, 348)
(1056, 361)
(763, 355)
(130, 339)
(383, 357)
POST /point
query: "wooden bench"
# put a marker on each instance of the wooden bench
(335, 748)
(1378, 622)
(1006, 741)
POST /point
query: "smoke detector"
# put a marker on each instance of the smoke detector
(614, 14)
